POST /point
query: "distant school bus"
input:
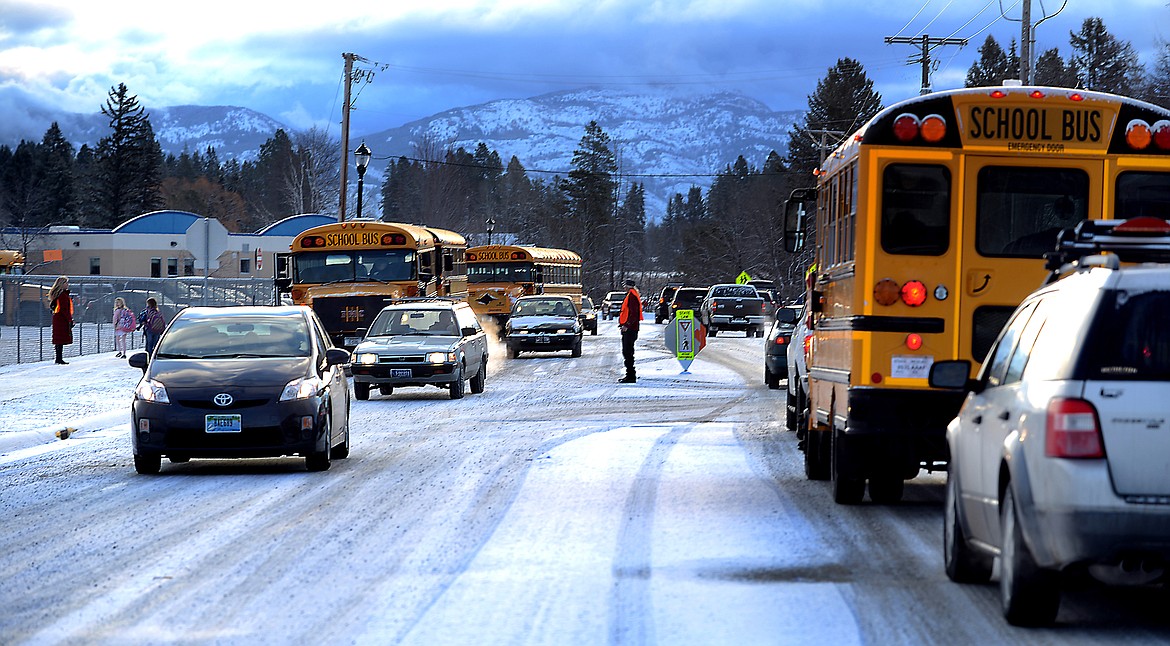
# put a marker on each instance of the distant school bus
(499, 274)
(22, 303)
(931, 226)
(348, 271)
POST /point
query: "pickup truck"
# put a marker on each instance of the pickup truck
(730, 306)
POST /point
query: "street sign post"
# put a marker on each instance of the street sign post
(685, 337)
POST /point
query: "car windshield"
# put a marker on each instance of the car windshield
(545, 307)
(231, 337)
(412, 322)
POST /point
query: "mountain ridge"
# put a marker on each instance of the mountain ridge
(666, 138)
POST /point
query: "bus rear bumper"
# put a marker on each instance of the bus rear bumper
(896, 431)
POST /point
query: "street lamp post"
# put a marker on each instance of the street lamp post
(361, 156)
(491, 226)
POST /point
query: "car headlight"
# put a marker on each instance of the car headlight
(367, 358)
(302, 388)
(149, 390)
(440, 357)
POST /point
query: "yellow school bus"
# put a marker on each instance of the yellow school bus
(498, 274)
(348, 271)
(931, 224)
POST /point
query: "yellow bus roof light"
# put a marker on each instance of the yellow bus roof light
(933, 128)
(1138, 135)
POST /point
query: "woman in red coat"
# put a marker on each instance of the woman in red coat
(62, 308)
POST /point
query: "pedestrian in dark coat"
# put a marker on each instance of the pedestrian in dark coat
(628, 321)
(146, 322)
(61, 305)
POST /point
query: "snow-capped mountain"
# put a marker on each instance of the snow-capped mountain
(667, 139)
(234, 132)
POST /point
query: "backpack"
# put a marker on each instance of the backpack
(126, 320)
(155, 322)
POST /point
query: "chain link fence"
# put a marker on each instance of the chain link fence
(26, 335)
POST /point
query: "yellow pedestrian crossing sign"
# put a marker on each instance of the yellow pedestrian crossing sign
(742, 278)
(685, 337)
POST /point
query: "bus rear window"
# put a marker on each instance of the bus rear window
(1142, 194)
(916, 209)
(1020, 211)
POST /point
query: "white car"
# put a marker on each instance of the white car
(1060, 455)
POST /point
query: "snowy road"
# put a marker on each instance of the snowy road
(558, 507)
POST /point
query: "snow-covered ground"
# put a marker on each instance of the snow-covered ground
(557, 507)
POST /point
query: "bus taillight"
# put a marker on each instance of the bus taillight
(914, 293)
(913, 341)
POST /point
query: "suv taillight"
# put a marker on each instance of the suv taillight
(1073, 430)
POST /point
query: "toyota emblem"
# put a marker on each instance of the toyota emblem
(223, 399)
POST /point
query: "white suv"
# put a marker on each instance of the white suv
(1060, 455)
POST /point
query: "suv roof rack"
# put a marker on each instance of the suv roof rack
(426, 299)
(1141, 239)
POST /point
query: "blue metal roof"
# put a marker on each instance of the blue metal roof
(296, 224)
(166, 222)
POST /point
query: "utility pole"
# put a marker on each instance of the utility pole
(349, 59)
(1026, 43)
(927, 43)
(824, 144)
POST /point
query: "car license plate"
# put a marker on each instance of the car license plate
(739, 320)
(222, 424)
(543, 339)
(402, 373)
(352, 340)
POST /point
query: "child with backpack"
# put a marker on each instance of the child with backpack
(152, 324)
(124, 323)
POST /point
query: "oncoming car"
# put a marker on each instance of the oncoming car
(422, 342)
(543, 324)
(241, 382)
(588, 315)
(611, 305)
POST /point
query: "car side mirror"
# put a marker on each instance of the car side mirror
(469, 331)
(139, 360)
(336, 356)
(953, 375)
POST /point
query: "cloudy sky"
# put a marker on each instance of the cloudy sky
(424, 56)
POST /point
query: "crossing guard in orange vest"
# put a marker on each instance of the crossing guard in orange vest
(628, 320)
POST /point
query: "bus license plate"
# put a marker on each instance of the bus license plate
(222, 424)
(401, 373)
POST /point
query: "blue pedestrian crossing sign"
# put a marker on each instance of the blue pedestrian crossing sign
(685, 337)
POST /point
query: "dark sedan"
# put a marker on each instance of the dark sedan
(543, 324)
(776, 345)
(239, 382)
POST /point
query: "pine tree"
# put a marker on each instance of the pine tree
(1052, 70)
(1105, 63)
(590, 190)
(56, 193)
(128, 162)
(994, 65)
(844, 100)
